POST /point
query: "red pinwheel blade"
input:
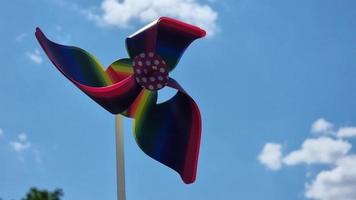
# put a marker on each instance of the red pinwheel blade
(170, 133)
(166, 37)
(114, 89)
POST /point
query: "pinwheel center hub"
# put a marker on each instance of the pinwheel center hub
(150, 71)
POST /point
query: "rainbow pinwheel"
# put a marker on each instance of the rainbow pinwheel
(169, 132)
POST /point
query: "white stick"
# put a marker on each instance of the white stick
(120, 160)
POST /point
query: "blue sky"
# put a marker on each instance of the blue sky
(271, 76)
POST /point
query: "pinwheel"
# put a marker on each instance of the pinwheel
(169, 132)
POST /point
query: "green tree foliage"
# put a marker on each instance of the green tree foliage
(36, 194)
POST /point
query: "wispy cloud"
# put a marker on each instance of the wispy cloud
(123, 14)
(338, 182)
(22, 137)
(61, 36)
(35, 56)
(21, 144)
(23, 148)
(19, 147)
(20, 37)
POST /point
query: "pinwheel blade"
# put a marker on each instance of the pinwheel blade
(170, 133)
(113, 90)
(167, 37)
(144, 101)
(75, 63)
(120, 69)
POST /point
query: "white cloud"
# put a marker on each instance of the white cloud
(338, 183)
(320, 150)
(35, 56)
(346, 132)
(1, 132)
(20, 37)
(122, 13)
(22, 144)
(338, 179)
(322, 126)
(271, 156)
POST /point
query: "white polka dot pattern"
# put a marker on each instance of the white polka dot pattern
(150, 71)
